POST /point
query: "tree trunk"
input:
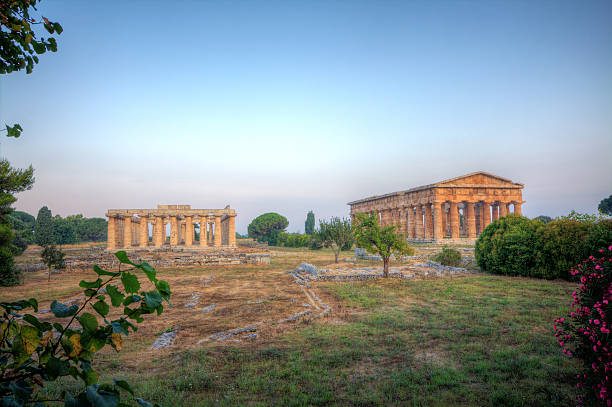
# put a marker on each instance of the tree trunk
(385, 267)
(49, 274)
(336, 253)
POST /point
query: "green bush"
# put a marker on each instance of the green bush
(517, 246)
(559, 246)
(448, 257)
(506, 246)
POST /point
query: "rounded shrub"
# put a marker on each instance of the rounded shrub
(585, 332)
(507, 246)
(448, 257)
(560, 245)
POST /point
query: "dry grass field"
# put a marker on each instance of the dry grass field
(472, 340)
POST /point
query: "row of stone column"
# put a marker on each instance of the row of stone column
(442, 219)
(130, 232)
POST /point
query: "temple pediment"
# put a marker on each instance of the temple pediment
(480, 178)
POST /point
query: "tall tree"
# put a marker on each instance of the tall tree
(605, 206)
(267, 226)
(43, 230)
(11, 181)
(310, 223)
(336, 234)
(381, 240)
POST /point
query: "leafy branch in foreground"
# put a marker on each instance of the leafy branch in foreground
(33, 352)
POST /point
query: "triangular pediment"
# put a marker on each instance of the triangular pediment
(476, 178)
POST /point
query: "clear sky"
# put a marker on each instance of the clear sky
(290, 106)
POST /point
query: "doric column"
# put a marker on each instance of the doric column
(189, 230)
(127, 231)
(495, 211)
(470, 218)
(411, 223)
(517, 208)
(454, 220)
(428, 222)
(144, 231)
(217, 241)
(420, 229)
(159, 233)
(486, 215)
(232, 231)
(437, 219)
(111, 239)
(183, 231)
(173, 231)
(503, 209)
(444, 220)
(203, 231)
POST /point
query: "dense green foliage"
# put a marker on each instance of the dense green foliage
(11, 181)
(291, 240)
(31, 356)
(448, 257)
(543, 218)
(22, 224)
(43, 228)
(336, 234)
(267, 227)
(507, 246)
(53, 258)
(585, 331)
(605, 206)
(381, 240)
(514, 245)
(72, 229)
(309, 225)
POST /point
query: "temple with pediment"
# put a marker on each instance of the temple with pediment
(456, 208)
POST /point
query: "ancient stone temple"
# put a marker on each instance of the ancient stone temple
(129, 228)
(458, 208)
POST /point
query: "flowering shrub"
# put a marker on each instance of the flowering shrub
(585, 332)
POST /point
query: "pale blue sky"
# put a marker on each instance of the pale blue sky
(290, 106)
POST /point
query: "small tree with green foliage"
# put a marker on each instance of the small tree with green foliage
(266, 227)
(335, 234)
(310, 223)
(43, 229)
(34, 353)
(381, 240)
(605, 206)
(53, 258)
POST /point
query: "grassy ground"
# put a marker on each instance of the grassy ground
(476, 340)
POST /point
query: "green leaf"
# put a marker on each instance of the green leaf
(14, 131)
(101, 308)
(62, 311)
(90, 377)
(57, 367)
(123, 258)
(88, 321)
(102, 272)
(91, 284)
(124, 385)
(131, 299)
(101, 398)
(115, 294)
(58, 28)
(149, 271)
(152, 299)
(32, 320)
(90, 292)
(130, 282)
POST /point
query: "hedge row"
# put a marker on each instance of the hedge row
(517, 246)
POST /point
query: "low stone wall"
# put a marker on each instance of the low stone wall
(159, 259)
